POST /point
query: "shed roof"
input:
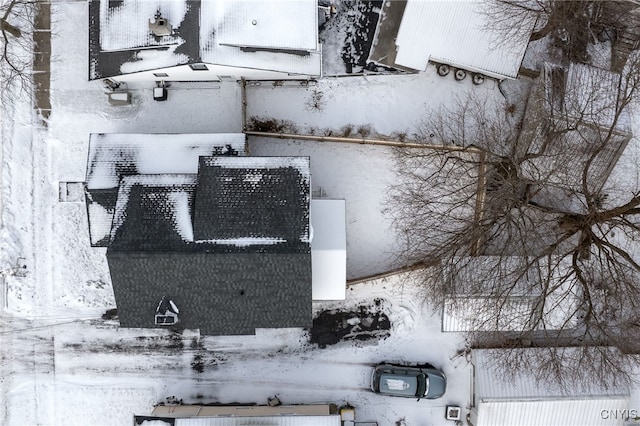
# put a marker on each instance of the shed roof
(328, 249)
(580, 113)
(459, 33)
(565, 412)
(494, 293)
(521, 399)
(282, 420)
(491, 385)
(219, 32)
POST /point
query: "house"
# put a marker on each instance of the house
(573, 118)
(413, 33)
(219, 415)
(503, 294)
(201, 236)
(521, 399)
(203, 40)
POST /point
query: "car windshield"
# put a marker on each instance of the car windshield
(423, 385)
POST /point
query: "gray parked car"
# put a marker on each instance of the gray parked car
(408, 382)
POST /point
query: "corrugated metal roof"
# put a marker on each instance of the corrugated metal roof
(592, 94)
(491, 385)
(484, 314)
(494, 293)
(459, 33)
(564, 412)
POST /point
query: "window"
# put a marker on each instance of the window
(161, 74)
(199, 67)
(169, 319)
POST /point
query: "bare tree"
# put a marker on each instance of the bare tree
(573, 25)
(520, 242)
(16, 45)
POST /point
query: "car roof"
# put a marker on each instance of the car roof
(398, 384)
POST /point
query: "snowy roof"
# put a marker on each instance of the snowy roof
(584, 91)
(580, 104)
(112, 156)
(153, 212)
(301, 414)
(224, 237)
(328, 249)
(592, 411)
(259, 23)
(459, 33)
(280, 35)
(490, 385)
(253, 197)
(523, 400)
(260, 203)
(494, 293)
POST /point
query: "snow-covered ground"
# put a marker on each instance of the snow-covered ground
(63, 364)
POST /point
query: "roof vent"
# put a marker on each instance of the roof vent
(166, 313)
(160, 26)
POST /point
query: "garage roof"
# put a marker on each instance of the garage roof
(459, 33)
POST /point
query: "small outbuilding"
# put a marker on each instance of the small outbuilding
(522, 399)
(460, 34)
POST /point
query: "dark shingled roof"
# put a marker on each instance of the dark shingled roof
(232, 281)
(116, 156)
(251, 197)
(221, 294)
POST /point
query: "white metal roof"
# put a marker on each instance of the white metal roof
(565, 412)
(222, 35)
(458, 33)
(522, 400)
(280, 24)
(491, 385)
(493, 293)
(328, 250)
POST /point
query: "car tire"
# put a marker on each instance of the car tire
(478, 79)
(460, 75)
(443, 70)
